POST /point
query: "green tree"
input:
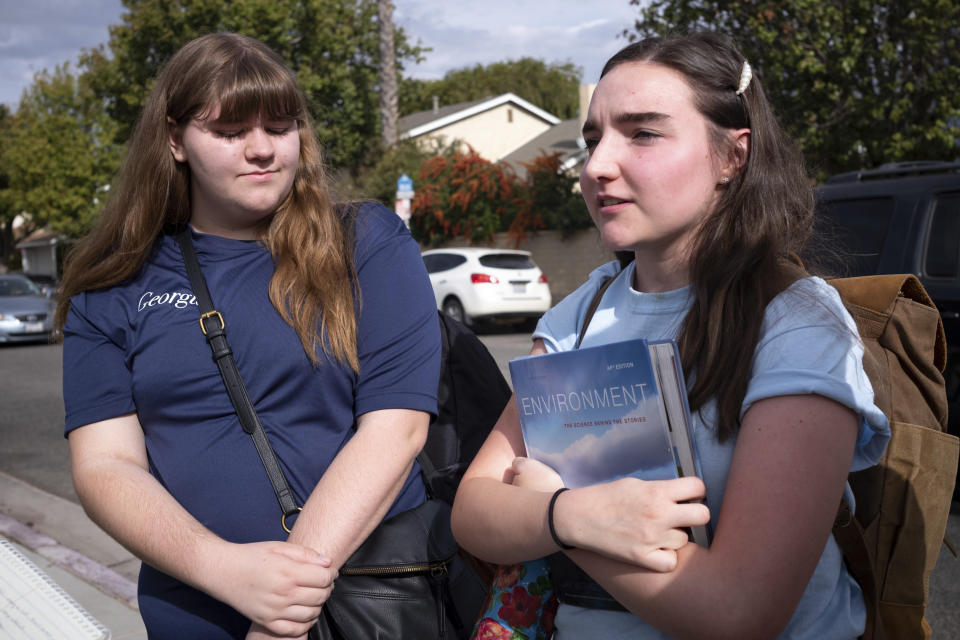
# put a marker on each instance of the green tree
(7, 211)
(379, 181)
(58, 153)
(332, 45)
(548, 199)
(857, 83)
(552, 87)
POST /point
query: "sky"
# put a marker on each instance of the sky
(40, 34)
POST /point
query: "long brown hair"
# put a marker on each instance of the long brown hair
(743, 252)
(314, 284)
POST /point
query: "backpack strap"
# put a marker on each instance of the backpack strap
(431, 476)
(594, 304)
(428, 472)
(851, 538)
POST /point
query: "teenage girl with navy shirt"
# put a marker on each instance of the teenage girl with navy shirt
(691, 180)
(332, 321)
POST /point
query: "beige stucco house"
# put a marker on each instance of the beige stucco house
(494, 127)
(563, 139)
(503, 129)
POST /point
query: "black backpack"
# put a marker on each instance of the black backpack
(471, 396)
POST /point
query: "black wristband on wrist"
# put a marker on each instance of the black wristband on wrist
(553, 530)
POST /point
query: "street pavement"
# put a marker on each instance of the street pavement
(40, 514)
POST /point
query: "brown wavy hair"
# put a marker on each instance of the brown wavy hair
(314, 283)
(743, 253)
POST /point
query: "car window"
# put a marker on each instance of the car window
(507, 261)
(18, 287)
(431, 262)
(943, 245)
(452, 260)
(442, 261)
(851, 233)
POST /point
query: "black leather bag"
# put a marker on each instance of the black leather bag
(407, 580)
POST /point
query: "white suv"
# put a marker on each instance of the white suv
(475, 284)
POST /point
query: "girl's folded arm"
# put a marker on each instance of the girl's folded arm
(786, 480)
(504, 523)
(492, 518)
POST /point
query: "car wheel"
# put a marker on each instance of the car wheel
(453, 308)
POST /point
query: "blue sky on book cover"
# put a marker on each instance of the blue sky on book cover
(593, 414)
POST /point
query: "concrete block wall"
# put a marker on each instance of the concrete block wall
(566, 261)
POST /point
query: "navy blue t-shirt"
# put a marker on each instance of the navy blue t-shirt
(137, 347)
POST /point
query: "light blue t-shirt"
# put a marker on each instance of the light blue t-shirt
(808, 344)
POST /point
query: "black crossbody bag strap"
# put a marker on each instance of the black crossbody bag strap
(214, 329)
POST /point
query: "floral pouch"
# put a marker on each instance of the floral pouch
(521, 604)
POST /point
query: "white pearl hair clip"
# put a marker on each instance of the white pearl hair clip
(746, 74)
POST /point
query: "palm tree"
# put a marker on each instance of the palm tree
(388, 75)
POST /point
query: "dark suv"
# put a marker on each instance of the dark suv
(902, 218)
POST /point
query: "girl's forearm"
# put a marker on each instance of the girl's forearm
(361, 484)
(501, 523)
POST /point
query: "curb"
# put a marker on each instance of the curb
(59, 531)
(93, 573)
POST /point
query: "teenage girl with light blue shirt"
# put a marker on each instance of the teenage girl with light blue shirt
(692, 182)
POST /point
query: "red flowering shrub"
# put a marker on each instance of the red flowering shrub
(550, 199)
(461, 194)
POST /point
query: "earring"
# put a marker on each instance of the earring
(724, 180)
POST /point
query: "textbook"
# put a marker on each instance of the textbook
(34, 607)
(598, 414)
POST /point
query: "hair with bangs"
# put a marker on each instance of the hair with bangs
(314, 283)
(744, 252)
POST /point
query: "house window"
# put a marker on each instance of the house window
(509, 115)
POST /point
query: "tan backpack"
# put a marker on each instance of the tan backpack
(902, 503)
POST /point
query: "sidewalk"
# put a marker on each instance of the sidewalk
(47, 529)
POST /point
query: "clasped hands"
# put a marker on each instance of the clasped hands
(282, 586)
(279, 586)
(630, 520)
